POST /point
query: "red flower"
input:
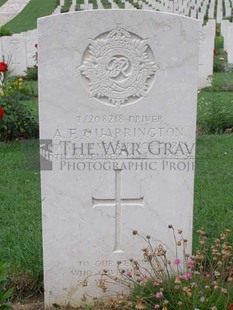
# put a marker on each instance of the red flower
(231, 307)
(1, 112)
(3, 67)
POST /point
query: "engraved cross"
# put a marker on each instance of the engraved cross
(118, 202)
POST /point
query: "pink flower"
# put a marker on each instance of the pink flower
(187, 276)
(157, 306)
(156, 283)
(159, 295)
(129, 274)
(214, 283)
(176, 261)
(144, 276)
(208, 275)
(190, 263)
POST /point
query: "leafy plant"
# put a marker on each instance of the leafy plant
(4, 294)
(219, 66)
(66, 7)
(32, 73)
(17, 85)
(17, 121)
(4, 32)
(214, 118)
(106, 4)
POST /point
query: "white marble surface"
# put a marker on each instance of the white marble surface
(13, 51)
(206, 54)
(229, 39)
(137, 141)
(18, 51)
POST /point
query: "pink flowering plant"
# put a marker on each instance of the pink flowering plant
(200, 281)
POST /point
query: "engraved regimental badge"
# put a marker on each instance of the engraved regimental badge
(119, 67)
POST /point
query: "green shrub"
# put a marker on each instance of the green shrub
(66, 7)
(17, 121)
(218, 42)
(215, 119)
(4, 32)
(106, 4)
(120, 4)
(219, 66)
(16, 85)
(32, 73)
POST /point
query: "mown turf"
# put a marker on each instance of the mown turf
(215, 104)
(20, 216)
(213, 207)
(27, 19)
(2, 2)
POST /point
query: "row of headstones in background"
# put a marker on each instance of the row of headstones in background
(18, 51)
(227, 33)
(193, 8)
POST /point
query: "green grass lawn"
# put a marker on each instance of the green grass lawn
(213, 207)
(215, 104)
(27, 18)
(20, 217)
(222, 79)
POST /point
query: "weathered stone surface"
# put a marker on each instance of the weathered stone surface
(117, 126)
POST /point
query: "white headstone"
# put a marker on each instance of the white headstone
(73, 6)
(206, 54)
(15, 53)
(117, 128)
(229, 38)
(86, 5)
(32, 40)
(224, 25)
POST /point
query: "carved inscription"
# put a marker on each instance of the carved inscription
(119, 66)
(14, 44)
(102, 142)
(85, 269)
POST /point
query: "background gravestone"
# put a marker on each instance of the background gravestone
(14, 52)
(229, 39)
(206, 54)
(117, 122)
